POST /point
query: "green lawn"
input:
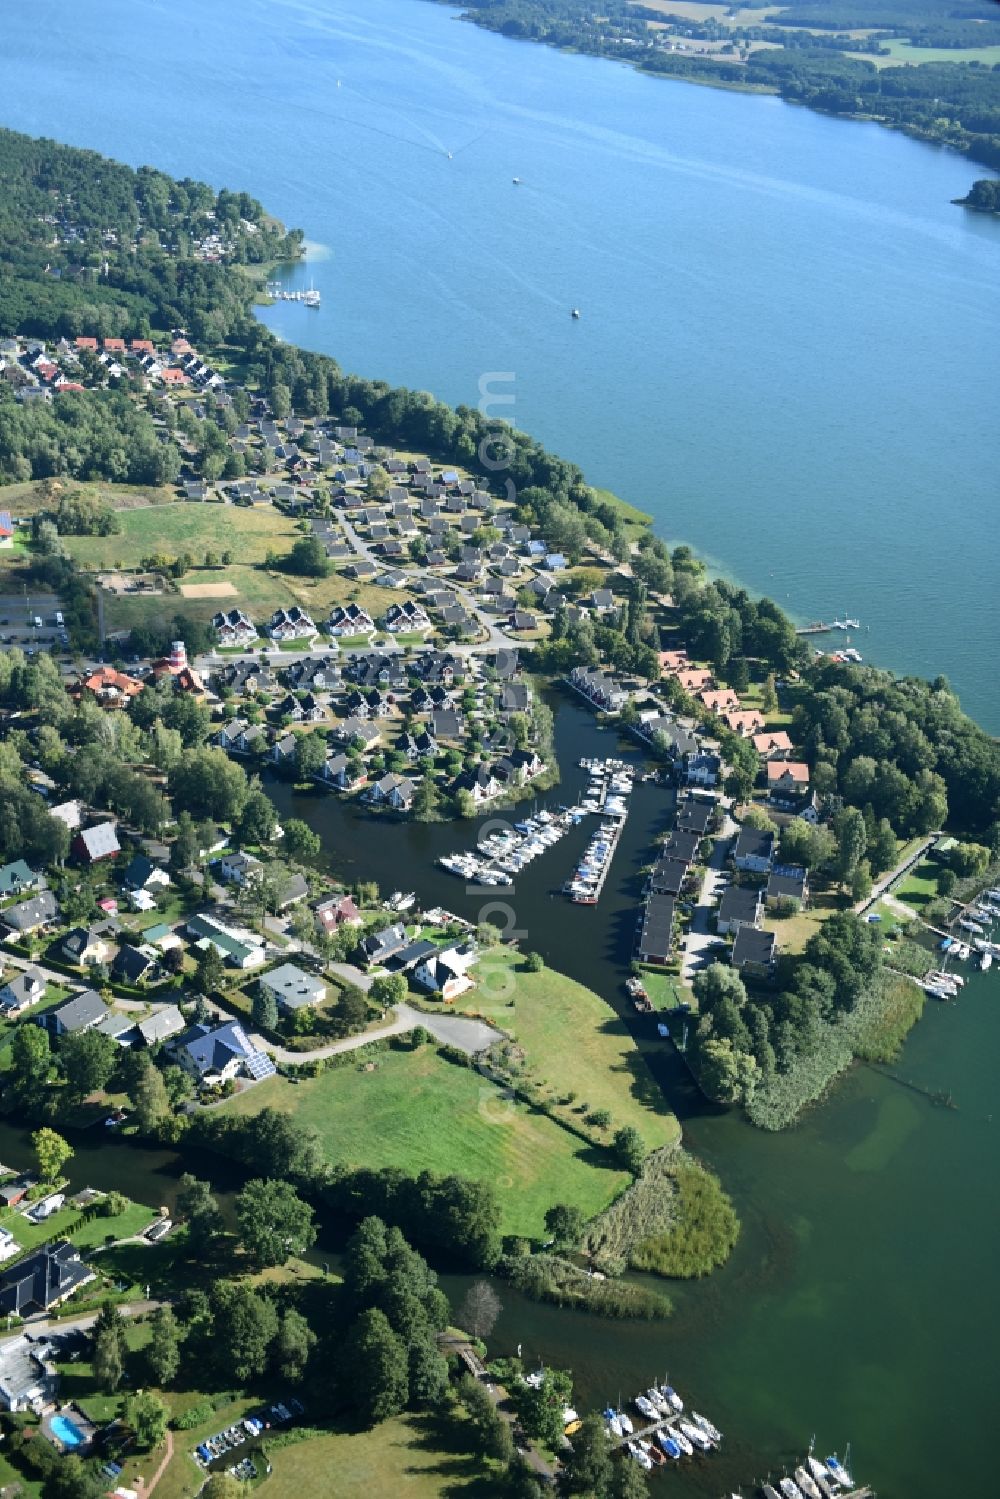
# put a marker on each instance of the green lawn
(421, 1112)
(250, 533)
(29, 1235)
(575, 1042)
(901, 50)
(919, 887)
(413, 1457)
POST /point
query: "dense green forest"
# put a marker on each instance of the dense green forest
(90, 246)
(955, 104)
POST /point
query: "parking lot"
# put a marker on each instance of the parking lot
(18, 612)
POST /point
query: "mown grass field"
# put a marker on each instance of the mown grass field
(30, 497)
(249, 533)
(417, 1111)
(416, 1457)
(575, 1043)
(919, 887)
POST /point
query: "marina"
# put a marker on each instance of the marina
(504, 853)
(309, 297)
(611, 783)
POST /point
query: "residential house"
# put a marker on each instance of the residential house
(85, 945)
(69, 813)
(600, 689)
(239, 868)
(393, 790)
(22, 990)
(681, 845)
(161, 1025)
(694, 679)
(244, 678)
(16, 878)
(404, 617)
(29, 1378)
(740, 906)
(136, 965)
(702, 769)
(671, 662)
(514, 698)
(30, 915)
(336, 911)
(283, 749)
(292, 989)
(358, 728)
(214, 1054)
(754, 953)
(378, 947)
(694, 816)
(445, 971)
(143, 874)
(480, 782)
(773, 746)
(234, 628)
(44, 1280)
(350, 619)
(754, 850)
(447, 723)
(94, 844)
(721, 700)
(522, 619)
(787, 782)
(654, 940)
(340, 771)
(291, 624)
(237, 947)
(787, 887)
(667, 877)
(81, 1012)
(746, 723)
(413, 953)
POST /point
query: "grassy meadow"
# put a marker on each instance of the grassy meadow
(422, 1112)
(574, 1043)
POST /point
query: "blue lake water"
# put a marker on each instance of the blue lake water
(789, 348)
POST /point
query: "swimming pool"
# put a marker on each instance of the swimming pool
(67, 1431)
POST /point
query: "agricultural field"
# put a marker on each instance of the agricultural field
(574, 1043)
(422, 1112)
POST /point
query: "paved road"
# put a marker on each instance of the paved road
(15, 960)
(884, 881)
(470, 1036)
(701, 940)
(39, 1324)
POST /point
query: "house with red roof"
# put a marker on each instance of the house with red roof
(114, 346)
(87, 343)
(174, 376)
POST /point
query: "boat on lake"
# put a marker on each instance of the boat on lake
(686, 1446)
(669, 1445)
(837, 1470)
(641, 1457)
(676, 1403)
(710, 1431)
(695, 1434)
(807, 1484)
(790, 1488)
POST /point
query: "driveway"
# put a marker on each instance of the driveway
(700, 942)
(470, 1036)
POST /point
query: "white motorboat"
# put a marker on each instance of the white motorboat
(646, 1407)
(641, 1458)
(676, 1403)
(696, 1435)
(836, 1470)
(807, 1484)
(625, 1422)
(686, 1446)
(656, 1399)
(706, 1426)
(790, 1488)
(615, 1426)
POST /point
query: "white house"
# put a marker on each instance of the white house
(350, 619)
(233, 627)
(446, 972)
(291, 624)
(293, 989)
(239, 868)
